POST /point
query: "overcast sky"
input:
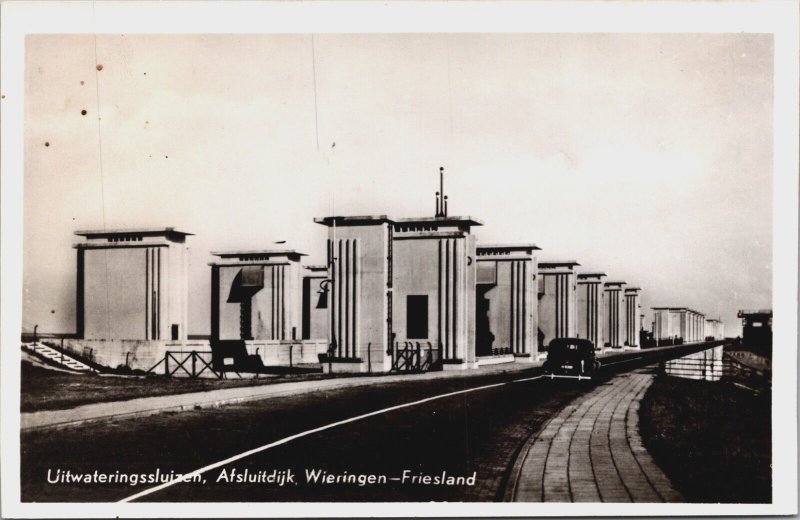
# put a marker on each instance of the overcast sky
(646, 156)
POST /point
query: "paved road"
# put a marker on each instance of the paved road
(475, 432)
(213, 397)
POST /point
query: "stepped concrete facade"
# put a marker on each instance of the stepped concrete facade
(632, 317)
(507, 313)
(399, 282)
(615, 314)
(132, 284)
(557, 292)
(591, 307)
(256, 295)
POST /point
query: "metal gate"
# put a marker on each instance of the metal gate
(408, 356)
(186, 364)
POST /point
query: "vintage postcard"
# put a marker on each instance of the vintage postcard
(399, 259)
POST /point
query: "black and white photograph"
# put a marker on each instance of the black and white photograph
(308, 259)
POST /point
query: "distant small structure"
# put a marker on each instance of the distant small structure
(714, 329)
(676, 325)
(756, 328)
(666, 326)
(693, 325)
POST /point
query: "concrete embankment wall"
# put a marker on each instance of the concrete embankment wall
(136, 354)
(144, 354)
(284, 353)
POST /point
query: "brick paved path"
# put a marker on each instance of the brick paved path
(591, 452)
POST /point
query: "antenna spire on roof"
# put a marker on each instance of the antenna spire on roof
(441, 198)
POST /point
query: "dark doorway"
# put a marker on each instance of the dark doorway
(306, 331)
(246, 319)
(483, 332)
(417, 316)
(174, 331)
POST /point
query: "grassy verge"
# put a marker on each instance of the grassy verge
(712, 439)
(45, 389)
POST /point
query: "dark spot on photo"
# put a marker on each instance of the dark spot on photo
(81, 82)
(83, 112)
(99, 67)
(47, 143)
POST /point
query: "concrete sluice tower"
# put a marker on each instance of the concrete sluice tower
(591, 308)
(632, 308)
(131, 295)
(255, 295)
(396, 283)
(132, 284)
(557, 293)
(507, 305)
(265, 304)
(615, 314)
(678, 324)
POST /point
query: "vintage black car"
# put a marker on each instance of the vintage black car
(573, 357)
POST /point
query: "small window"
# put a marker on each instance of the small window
(417, 316)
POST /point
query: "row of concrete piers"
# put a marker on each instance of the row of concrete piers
(387, 284)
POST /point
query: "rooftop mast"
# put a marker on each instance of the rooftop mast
(441, 198)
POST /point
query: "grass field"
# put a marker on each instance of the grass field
(46, 389)
(712, 439)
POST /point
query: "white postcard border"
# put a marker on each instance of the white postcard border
(778, 18)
